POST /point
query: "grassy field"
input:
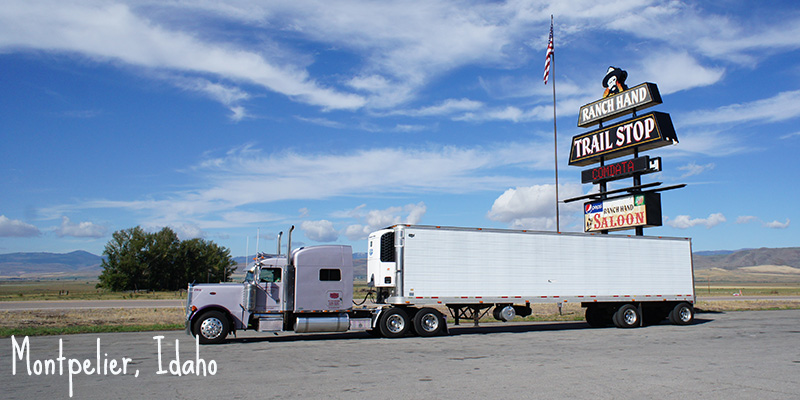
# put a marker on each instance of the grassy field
(28, 290)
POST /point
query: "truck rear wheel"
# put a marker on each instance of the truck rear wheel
(394, 323)
(212, 327)
(428, 322)
(682, 314)
(627, 316)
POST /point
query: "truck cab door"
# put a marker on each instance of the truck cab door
(270, 289)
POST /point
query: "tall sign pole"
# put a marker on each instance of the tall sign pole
(550, 62)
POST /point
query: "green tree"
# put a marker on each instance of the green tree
(135, 260)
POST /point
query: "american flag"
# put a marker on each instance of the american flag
(549, 55)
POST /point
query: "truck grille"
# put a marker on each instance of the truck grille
(387, 247)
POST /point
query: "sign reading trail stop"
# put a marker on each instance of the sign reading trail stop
(649, 131)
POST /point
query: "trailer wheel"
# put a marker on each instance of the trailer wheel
(597, 317)
(627, 316)
(428, 322)
(394, 323)
(212, 327)
(682, 314)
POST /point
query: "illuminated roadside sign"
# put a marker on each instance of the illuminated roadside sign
(634, 99)
(622, 169)
(649, 131)
(638, 210)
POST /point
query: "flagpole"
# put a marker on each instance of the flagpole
(555, 135)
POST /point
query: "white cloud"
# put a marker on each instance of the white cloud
(81, 229)
(780, 107)
(694, 169)
(777, 224)
(16, 228)
(790, 135)
(319, 231)
(188, 231)
(677, 71)
(109, 32)
(447, 107)
(685, 222)
(378, 219)
(746, 219)
(533, 207)
(709, 142)
(772, 225)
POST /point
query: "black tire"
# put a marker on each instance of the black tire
(627, 316)
(596, 317)
(394, 323)
(212, 327)
(428, 322)
(682, 314)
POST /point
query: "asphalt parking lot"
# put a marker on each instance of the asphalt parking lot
(735, 355)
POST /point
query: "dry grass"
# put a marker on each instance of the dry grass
(91, 317)
(747, 305)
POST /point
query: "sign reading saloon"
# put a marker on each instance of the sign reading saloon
(623, 213)
(634, 99)
(646, 132)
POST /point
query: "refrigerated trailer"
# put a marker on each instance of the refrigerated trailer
(620, 279)
(417, 272)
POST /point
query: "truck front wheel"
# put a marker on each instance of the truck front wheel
(212, 327)
(428, 322)
(394, 323)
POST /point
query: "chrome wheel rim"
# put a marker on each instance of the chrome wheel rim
(685, 314)
(211, 328)
(629, 317)
(430, 323)
(395, 323)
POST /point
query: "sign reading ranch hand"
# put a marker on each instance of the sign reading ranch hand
(634, 99)
(646, 132)
(623, 213)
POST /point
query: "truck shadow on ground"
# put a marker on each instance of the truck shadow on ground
(461, 330)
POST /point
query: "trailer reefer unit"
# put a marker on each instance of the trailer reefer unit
(620, 279)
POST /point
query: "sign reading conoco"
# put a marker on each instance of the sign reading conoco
(649, 131)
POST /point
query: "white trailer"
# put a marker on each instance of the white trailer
(620, 279)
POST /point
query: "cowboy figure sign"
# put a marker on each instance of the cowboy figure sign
(614, 81)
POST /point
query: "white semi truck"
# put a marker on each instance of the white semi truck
(417, 271)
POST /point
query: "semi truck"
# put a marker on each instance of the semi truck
(417, 273)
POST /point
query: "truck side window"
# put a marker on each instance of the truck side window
(328, 274)
(271, 275)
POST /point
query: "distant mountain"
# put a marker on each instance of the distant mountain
(31, 265)
(789, 256)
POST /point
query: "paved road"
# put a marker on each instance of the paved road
(736, 355)
(85, 304)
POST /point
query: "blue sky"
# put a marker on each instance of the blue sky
(222, 118)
